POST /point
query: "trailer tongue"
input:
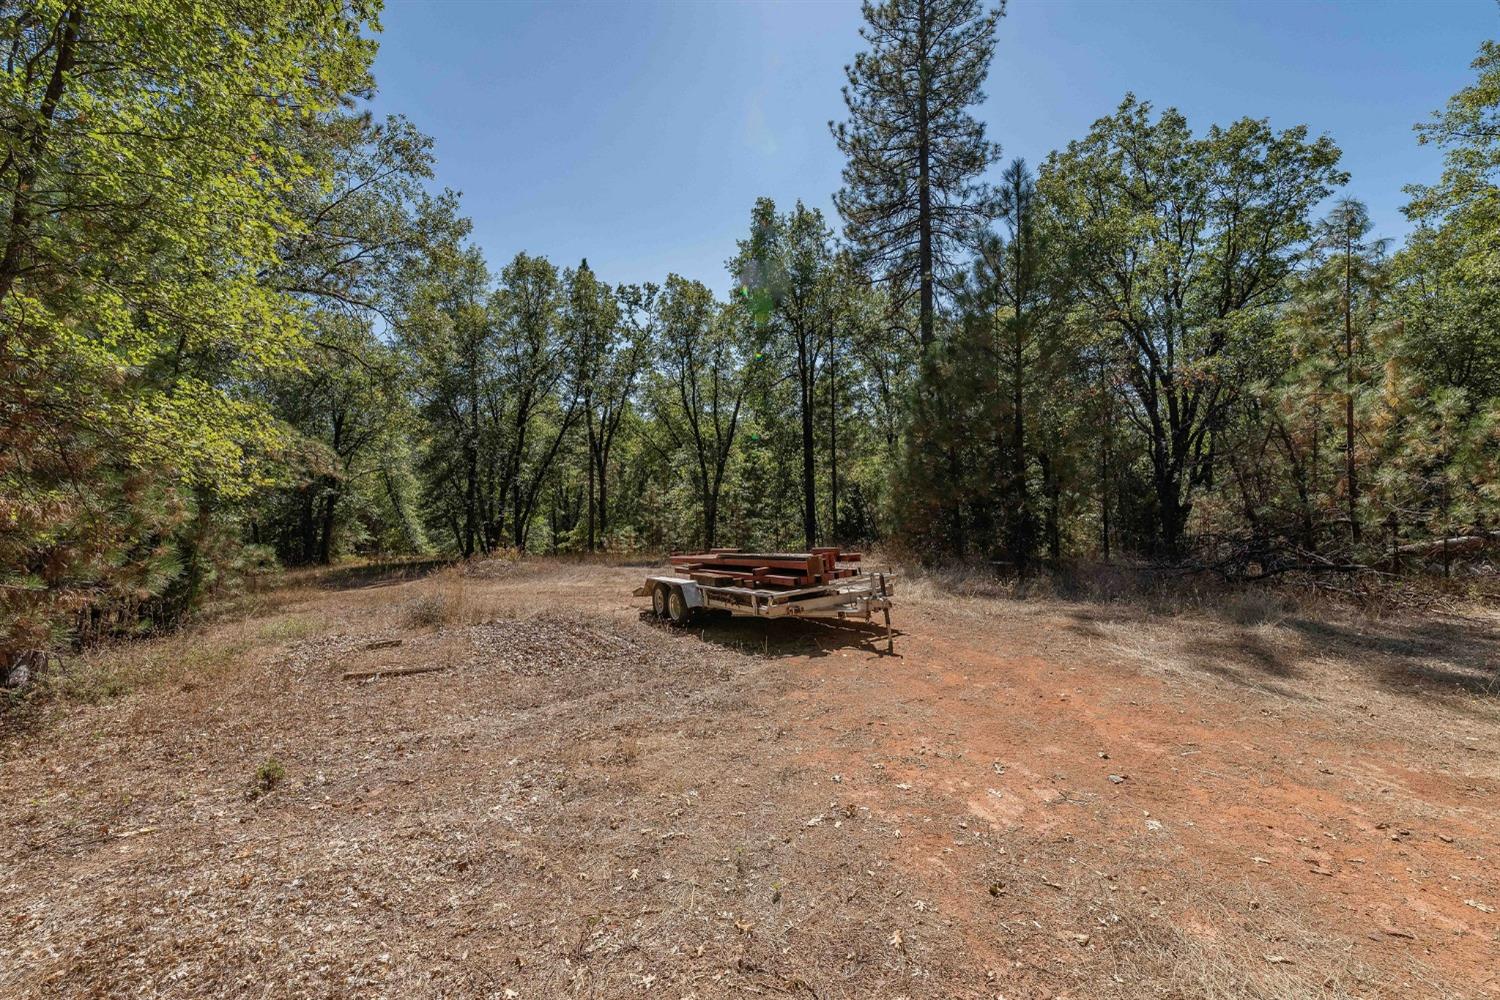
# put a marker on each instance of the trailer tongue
(823, 583)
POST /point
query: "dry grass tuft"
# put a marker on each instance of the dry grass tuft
(1254, 607)
(185, 659)
(451, 597)
(429, 611)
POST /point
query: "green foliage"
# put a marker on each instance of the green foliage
(1302, 442)
(1183, 246)
(800, 294)
(1442, 384)
(707, 362)
(267, 777)
(145, 172)
(237, 330)
(912, 199)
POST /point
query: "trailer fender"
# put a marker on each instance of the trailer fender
(687, 590)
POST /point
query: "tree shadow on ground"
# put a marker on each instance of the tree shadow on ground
(786, 637)
(1243, 658)
(1232, 653)
(1425, 658)
(1430, 658)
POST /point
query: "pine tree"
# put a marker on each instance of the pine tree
(1352, 260)
(912, 199)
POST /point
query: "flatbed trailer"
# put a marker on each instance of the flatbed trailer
(852, 598)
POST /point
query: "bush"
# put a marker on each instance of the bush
(267, 777)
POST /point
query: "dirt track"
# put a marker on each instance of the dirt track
(1036, 799)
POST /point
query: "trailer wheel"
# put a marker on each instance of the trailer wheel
(659, 600)
(677, 607)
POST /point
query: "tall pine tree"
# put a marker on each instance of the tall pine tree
(912, 199)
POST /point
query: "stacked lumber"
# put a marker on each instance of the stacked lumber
(771, 570)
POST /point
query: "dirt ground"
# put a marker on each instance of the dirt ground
(1040, 798)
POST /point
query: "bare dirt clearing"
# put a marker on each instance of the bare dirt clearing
(1031, 799)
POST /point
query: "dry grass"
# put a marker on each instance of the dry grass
(1166, 591)
(584, 803)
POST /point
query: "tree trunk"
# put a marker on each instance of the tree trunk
(809, 484)
(593, 447)
(1104, 494)
(833, 449)
(30, 165)
(1174, 516)
(306, 543)
(603, 501)
(1052, 490)
(325, 538)
(924, 181)
(591, 506)
(515, 512)
(471, 490)
(552, 518)
(1349, 464)
(1020, 517)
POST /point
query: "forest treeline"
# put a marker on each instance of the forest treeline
(239, 327)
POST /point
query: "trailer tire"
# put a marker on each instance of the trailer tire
(659, 601)
(677, 607)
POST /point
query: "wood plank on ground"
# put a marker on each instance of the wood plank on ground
(422, 668)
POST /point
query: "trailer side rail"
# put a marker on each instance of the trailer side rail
(857, 598)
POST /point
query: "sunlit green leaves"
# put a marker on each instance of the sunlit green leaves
(146, 174)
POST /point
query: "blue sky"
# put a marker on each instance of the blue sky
(639, 134)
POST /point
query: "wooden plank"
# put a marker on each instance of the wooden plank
(806, 564)
(360, 675)
(782, 580)
(713, 579)
(797, 557)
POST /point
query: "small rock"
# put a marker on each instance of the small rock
(1117, 778)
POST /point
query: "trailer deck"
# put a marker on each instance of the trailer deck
(847, 595)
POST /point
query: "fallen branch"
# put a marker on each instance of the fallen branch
(1459, 545)
(1307, 567)
(362, 675)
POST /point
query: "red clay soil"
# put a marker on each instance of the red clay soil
(1033, 798)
